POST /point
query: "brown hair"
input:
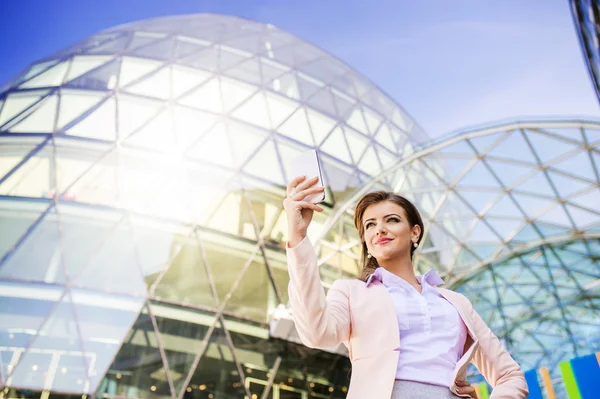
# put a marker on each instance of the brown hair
(414, 218)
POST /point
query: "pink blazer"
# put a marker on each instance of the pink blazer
(364, 319)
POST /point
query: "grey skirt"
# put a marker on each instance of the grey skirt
(419, 390)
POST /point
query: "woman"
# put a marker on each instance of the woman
(406, 338)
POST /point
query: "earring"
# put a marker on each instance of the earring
(415, 245)
(369, 256)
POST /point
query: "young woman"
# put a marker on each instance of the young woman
(406, 337)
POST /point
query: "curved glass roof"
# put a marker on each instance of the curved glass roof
(142, 172)
(512, 220)
(585, 15)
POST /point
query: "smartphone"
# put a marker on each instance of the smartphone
(307, 164)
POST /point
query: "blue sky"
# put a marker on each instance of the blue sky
(451, 64)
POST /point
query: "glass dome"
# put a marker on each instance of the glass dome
(141, 178)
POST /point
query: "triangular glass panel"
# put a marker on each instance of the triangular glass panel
(218, 373)
(102, 78)
(384, 137)
(478, 200)
(556, 217)
(246, 71)
(592, 135)
(357, 144)
(479, 176)
(115, 266)
(251, 43)
(214, 147)
(505, 208)
(207, 59)
(51, 77)
(506, 228)
(190, 124)
(186, 45)
(99, 124)
(578, 165)
(135, 112)
(286, 85)
(187, 279)
(142, 39)
(207, 96)
(570, 133)
(483, 233)
(103, 322)
(532, 205)
(109, 47)
(38, 257)
(271, 70)
(74, 103)
(387, 159)
(230, 57)
(184, 79)
(266, 164)
(345, 84)
(325, 69)
(335, 145)
(288, 152)
(400, 119)
(526, 235)
(138, 368)
(158, 84)
(356, 120)
(308, 86)
(133, 69)
(369, 163)
(232, 217)
(41, 118)
(235, 93)
(320, 125)
(245, 141)
(538, 184)
(16, 103)
(345, 109)
(548, 148)
(453, 167)
(297, 128)
(583, 218)
(41, 367)
(159, 50)
(567, 186)
(323, 101)
(82, 64)
(513, 147)
(508, 172)
(254, 111)
(280, 109)
(588, 200)
(483, 143)
(373, 120)
(158, 134)
(36, 69)
(251, 297)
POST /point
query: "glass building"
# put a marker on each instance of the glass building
(142, 173)
(586, 15)
(142, 251)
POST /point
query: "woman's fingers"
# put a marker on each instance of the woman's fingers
(310, 205)
(304, 193)
(465, 387)
(301, 183)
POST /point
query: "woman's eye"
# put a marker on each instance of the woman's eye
(368, 225)
(395, 220)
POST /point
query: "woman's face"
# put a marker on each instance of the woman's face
(387, 231)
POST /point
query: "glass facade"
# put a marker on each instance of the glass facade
(142, 173)
(586, 15)
(512, 221)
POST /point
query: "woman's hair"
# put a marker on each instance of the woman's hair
(414, 218)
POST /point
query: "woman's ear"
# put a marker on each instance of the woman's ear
(416, 232)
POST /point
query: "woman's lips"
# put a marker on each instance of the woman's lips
(383, 241)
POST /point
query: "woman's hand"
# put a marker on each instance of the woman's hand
(465, 387)
(300, 212)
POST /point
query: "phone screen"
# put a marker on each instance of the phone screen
(307, 164)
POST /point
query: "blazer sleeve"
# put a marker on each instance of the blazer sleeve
(495, 363)
(321, 321)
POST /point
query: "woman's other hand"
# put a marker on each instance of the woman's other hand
(465, 387)
(300, 212)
